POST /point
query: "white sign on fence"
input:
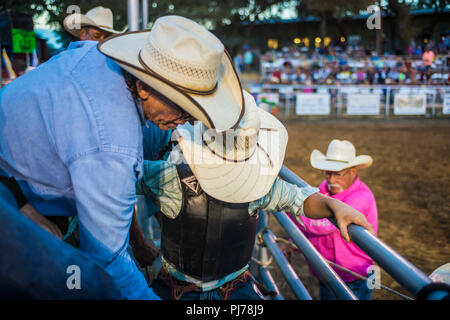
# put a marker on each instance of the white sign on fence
(410, 104)
(363, 104)
(313, 104)
(446, 105)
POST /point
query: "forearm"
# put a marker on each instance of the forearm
(319, 206)
(136, 235)
(284, 196)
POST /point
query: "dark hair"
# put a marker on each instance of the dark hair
(131, 80)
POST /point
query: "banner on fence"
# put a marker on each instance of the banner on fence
(269, 101)
(446, 103)
(410, 104)
(312, 104)
(363, 104)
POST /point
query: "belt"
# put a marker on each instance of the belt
(180, 287)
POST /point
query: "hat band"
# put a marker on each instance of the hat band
(106, 27)
(187, 90)
(344, 161)
(242, 160)
(225, 158)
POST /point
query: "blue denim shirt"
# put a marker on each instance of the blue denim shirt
(72, 136)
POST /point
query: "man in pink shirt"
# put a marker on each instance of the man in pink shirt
(340, 166)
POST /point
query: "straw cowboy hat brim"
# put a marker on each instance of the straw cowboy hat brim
(319, 161)
(220, 109)
(74, 22)
(236, 181)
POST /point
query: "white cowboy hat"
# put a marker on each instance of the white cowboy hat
(99, 17)
(341, 154)
(186, 63)
(239, 165)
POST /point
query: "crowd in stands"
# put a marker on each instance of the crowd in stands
(355, 65)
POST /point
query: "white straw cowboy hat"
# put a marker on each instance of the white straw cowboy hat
(238, 165)
(341, 154)
(185, 62)
(99, 17)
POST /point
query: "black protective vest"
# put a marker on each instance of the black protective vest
(209, 238)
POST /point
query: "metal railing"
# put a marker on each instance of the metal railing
(437, 99)
(405, 273)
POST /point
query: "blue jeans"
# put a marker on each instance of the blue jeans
(359, 288)
(243, 291)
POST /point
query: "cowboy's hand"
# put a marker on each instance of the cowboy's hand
(145, 252)
(29, 211)
(346, 215)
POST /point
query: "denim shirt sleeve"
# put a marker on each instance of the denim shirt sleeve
(104, 187)
(283, 196)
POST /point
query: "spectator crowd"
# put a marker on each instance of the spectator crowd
(356, 65)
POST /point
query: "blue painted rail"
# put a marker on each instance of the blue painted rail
(326, 274)
(291, 277)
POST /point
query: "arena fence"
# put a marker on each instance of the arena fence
(353, 101)
(405, 273)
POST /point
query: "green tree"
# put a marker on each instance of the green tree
(402, 31)
(328, 10)
(214, 14)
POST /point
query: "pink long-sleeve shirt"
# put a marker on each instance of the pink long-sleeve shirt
(327, 239)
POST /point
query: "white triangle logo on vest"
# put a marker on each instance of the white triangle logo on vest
(192, 183)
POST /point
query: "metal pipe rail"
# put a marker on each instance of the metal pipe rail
(405, 273)
(268, 280)
(326, 274)
(265, 274)
(291, 277)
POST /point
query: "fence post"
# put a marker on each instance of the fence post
(387, 103)
(288, 104)
(339, 105)
(433, 110)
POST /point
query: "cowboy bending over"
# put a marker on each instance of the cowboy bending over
(210, 192)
